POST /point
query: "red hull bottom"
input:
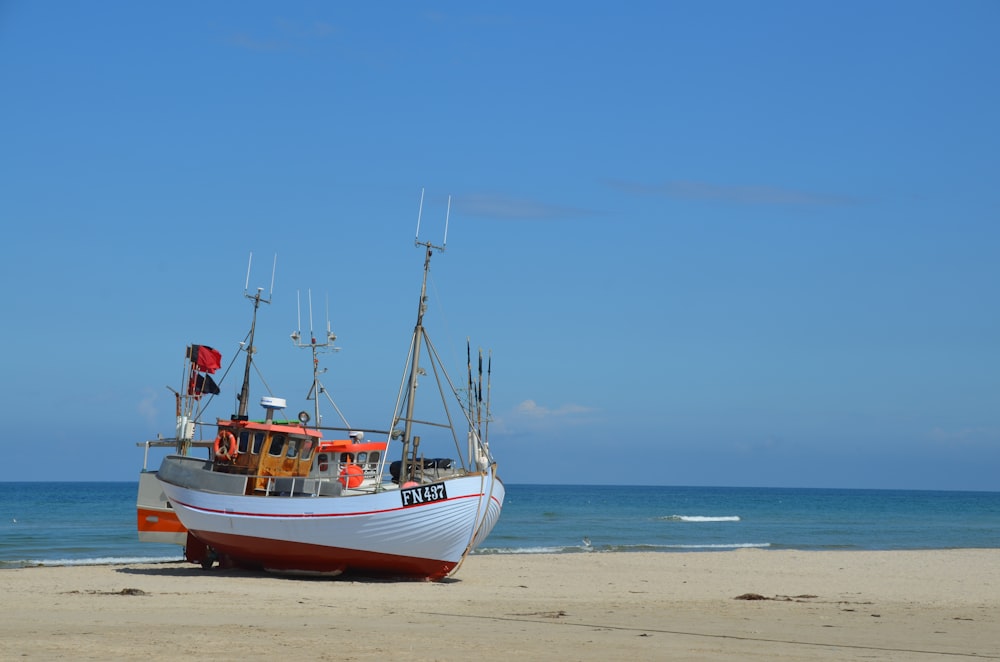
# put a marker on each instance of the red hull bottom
(282, 555)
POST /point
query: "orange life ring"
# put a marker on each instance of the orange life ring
(225, 445)
(351, 475)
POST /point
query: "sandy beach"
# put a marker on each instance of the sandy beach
(898, 605)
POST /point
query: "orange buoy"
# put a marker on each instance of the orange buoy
(351, 475)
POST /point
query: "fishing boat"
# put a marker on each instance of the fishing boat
(274, 494)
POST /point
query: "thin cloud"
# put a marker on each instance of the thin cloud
(437, 16)
(147, 406)
(733, 194)
(530, 417)
(291, 35)
(769, 443)
(530, 412)
(965, 436)
(247, 42)
(487, 205)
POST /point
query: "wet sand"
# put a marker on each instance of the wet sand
(746, 605)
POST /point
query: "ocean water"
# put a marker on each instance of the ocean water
(567, 519)
(94, 523)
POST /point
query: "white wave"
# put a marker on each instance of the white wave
(702, 518)
(742, 545)
(618, 548)
(523, 550)
(109, 560)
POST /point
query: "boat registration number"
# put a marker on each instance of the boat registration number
(414, 496)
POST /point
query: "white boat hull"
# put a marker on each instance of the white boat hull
(371, 533)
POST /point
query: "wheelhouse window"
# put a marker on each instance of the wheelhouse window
(293, 447)
(277, 445)
(307, 449)
(258, 442)
(244, 441)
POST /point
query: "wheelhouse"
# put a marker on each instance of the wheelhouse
(335, 456)
(265, 451)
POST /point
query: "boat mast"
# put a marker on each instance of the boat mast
(257, 298)
(317, 347)
(419, 334)
(418, 340)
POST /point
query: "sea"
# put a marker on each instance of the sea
(54, 524)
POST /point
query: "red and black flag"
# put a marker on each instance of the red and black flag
(204, 358)
(201, 384)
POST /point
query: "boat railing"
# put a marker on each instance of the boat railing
(199, 474)
(167, 443)
(299, 486)
(204, 475)
(320, 486)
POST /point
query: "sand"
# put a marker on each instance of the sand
(898, 605)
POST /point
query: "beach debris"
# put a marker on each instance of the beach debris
(131, 591)
(124, 591)
(781, 598)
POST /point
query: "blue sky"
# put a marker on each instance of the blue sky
(713, 243)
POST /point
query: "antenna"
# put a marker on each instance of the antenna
(311, 327)
(329, 329)
(316, 348)
(447, 215)
(297, 334)
(274, 269)
(246, 284)
(420, 211)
